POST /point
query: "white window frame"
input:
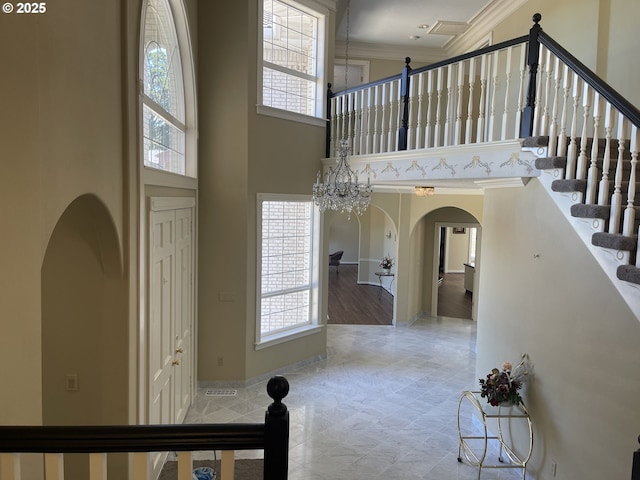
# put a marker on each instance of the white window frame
(188, 83)
(280, 336)
(317, 9)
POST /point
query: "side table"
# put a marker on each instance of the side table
(502, 416)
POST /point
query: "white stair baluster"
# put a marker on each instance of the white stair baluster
(428, 131)
(480, 134)
(572, 152)
(507, 92)
(392, 145)
(457, 135)
(440, 86)
(494, 94)
(616, 197)
(548, 81)
(586, 105)
(420, 115)
(630, 211)
(566, 87)
(603, 190)
(449, 107)
(521, 99)
(472, 81)
(592, 175)
(386, 111)
(411, 136)
(553, 127)
(376, 119)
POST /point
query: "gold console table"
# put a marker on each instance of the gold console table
(474, 448)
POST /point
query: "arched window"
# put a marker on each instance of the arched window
(165, 103)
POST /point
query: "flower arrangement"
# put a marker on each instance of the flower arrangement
(501, 387)
(386, 263)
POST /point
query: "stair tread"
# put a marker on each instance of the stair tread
(629, 273)
(586, 210)
(615, 241)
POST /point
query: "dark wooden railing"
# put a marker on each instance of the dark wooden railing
(272, 436)
(534, 40)
(635, 471)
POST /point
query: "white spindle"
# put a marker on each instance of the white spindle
(357, 128)
(537, 113)
(376, 119)
(572, 152)
(10, 466)
(586, 106)
(227, 465)
(428, 124)
(616, 197)
(548, 81)
(399, 109)
(420, 115)
(457, 136)
(630, 211)
(98, 466)
(566, 88)
(334, 123)
(472, 81)
(592, 175)
(384, 129)
(480, 135)
(450, 99)
(603, 190)
(436, 139)
(392, 129)
(553, 127)
(507, 93)
(54, 466)
(369, 120)
(410, 123)
(521, 99)
(494, 94)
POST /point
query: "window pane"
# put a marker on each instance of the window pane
(286, 264)
(164, 144)
(290, 45)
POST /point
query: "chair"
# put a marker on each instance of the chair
(334, 259)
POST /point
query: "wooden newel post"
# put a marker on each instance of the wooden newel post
(404, 93)
(533, 55)
(328, 127)
(635, 470)
(276, 431)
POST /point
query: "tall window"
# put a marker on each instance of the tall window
(163, 96)
(293, 46)
(288, 277)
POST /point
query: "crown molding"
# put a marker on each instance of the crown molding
(482, 25)
(390, 52)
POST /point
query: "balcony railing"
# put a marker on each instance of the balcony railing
(139, 441)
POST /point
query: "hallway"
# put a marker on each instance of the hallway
(382, 405)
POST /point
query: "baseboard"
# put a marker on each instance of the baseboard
(287, 371)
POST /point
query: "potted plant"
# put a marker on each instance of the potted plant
(386, 264)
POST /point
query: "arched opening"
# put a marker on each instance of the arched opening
(85, 345)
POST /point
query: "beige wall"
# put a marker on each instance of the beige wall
(62, 137)
(241, 154)
(581, 338)
(596, 32)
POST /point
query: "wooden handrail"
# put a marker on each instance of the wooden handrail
(272, 436)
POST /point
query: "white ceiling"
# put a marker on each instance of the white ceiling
(389, 24)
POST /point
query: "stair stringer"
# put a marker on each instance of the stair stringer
(608, 259)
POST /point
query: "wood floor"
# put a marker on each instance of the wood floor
(453, 301)
(350, 303)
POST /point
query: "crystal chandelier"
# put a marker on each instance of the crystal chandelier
(341, 190)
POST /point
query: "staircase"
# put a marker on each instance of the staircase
(498, 116)
(597, 202)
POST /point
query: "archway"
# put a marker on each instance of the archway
(85, 344)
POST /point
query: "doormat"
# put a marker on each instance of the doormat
(244, 469)
(220, 392)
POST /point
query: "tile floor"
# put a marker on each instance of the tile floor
(382, 405)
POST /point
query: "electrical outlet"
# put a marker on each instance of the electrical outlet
(71, 382)
(554, 467)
